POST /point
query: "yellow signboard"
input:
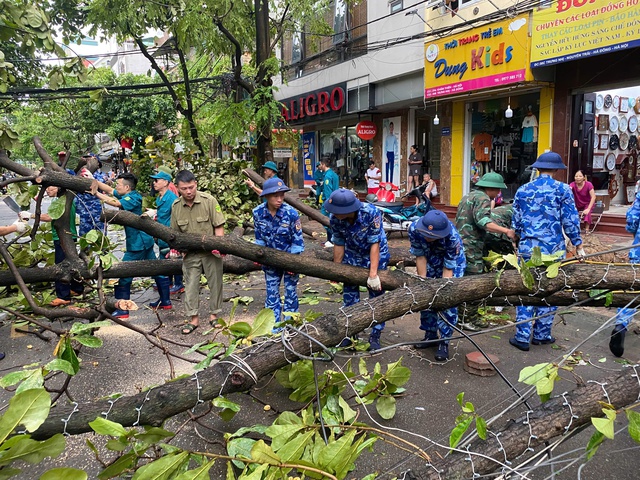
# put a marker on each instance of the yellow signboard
(485, 57)
(573, 29)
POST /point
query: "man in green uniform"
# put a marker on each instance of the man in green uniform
(139, 245)
(198, 212)
(473, 220)
(330, 184)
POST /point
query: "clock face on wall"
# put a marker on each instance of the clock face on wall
(624, 123)
(633, 123)
(616, 102)
(599, 102)
(613, 123)
(608, 101)
(596, 141)
(610, 162)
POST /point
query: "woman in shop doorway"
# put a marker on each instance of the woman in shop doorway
(585, 198)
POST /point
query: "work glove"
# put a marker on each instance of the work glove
(374, 283)
(216, 253)
(173, 254)
(580, 253)
(151, 213)
(21, 227)
(24, 216)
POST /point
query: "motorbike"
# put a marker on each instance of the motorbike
(395, 216)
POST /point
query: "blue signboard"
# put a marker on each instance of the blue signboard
(309, 156)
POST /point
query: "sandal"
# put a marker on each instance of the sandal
(214, 322)
(188, 328)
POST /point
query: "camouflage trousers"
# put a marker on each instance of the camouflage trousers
(273, 279)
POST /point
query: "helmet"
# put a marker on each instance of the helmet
(271, 166)
(549, 161)
(434, 225)
(273, 185)
(371, 198)
(342, 201)
(491, 180)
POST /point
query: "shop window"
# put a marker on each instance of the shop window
(340, 23)
(296, 48)
(347, 153)
(358, 99)
(504, 145)
(395, 6)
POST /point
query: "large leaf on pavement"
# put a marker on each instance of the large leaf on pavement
(29, 408)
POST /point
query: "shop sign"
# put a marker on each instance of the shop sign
(366, 130)
(574, 29)
(446, 131)
(485, 57)
(282, 153)
(324, 103)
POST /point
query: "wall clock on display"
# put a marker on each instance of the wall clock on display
(608, 101)
(599, 102)
(596, 141)
(633, 123)
(614, 142)
(603, 122)
(624, 141)
(623, 123)
(613, 123)
(616, 102)
(624, 104)
(633, 142)
(598, 161)
(604, 141)
(610, 162)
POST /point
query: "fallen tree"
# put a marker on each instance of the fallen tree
(409, 294)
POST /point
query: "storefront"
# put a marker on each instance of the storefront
(493, 116)
(594, 48)
(329, 133)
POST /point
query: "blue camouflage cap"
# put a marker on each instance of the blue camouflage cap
(434, 225)
(273, 185)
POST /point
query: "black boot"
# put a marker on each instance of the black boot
(164, 285)
(374, 340)
(616, 344)
(442, 355)
(428, 337)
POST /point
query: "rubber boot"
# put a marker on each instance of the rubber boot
(121, 293)
(178, 286)
(616, 343)
(442, 355)
(374, 340)
(428, 337)
(164, 303)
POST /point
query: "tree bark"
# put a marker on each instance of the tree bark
(551, 419)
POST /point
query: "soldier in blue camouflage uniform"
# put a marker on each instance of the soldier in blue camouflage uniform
(359, 240)
(439, 254)
(625, 315)
(277, 225)
(473, 220)
(542, 209)
(89, 209)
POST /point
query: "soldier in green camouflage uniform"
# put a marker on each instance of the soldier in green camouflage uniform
(473, 220)
(499, 242)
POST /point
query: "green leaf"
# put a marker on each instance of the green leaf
(107, 427)
(605, 425)
(153, 435)
(60, 365)
(125, 462)
(263, 324)
(33, 451)
(512, 260)
(292, 451)
(56, 209)
(634, 425)
(67, 353)
(240, 447)
(200, 473)
(594, 442)
(460, 398)
(263, 453)
(397, 374)
(386, 406)
(15, 377)
(84, 327)
(458, 431)
(527, 277)
(240, 329)
(531, 375)
(553, 269)
(89, 341)
(481, 427)
(34, 381)
(229, 408)
(64, 473)
(536, 257)
(280, 434)
(29, 408)
(257, 473)
(163, 468)
(335, 454)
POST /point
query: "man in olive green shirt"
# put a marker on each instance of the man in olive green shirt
(198, 212)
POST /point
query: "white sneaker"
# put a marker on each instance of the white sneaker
(328, 244)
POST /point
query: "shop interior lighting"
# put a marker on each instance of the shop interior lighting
(436, 120)
(508, 113)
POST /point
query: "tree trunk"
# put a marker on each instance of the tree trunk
(551, 419)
